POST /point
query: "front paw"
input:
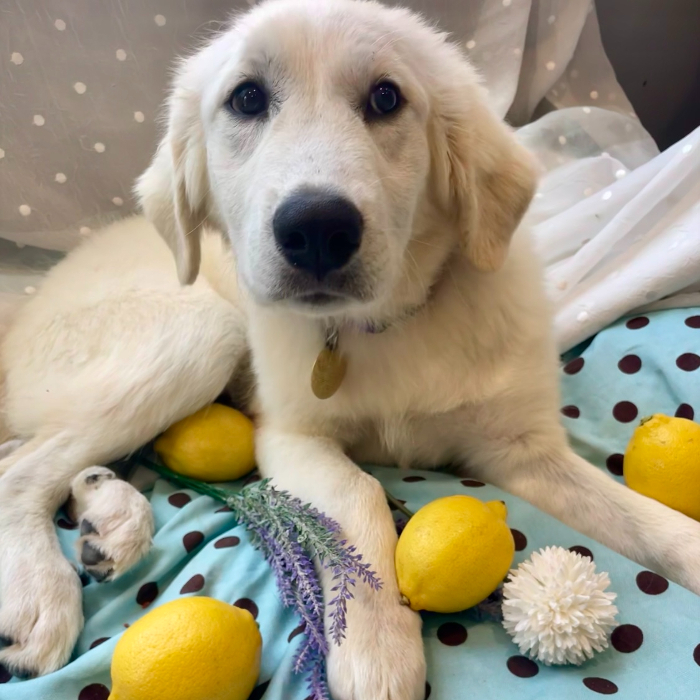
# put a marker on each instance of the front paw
(41, 605)
(382, 657)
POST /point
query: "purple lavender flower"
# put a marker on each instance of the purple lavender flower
(290, 534)
(285, 529)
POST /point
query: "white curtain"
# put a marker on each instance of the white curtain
(617, 223)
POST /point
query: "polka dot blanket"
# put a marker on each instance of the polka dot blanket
(636, 367)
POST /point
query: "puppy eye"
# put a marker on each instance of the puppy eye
(385, 98)
(249, 99)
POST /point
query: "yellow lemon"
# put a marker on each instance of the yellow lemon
(215, 444)
(662, 461)
(453, 553)
(189, 649)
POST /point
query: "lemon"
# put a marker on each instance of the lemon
(215, 444)
(189, 649)
(662, 461)
(453, 553)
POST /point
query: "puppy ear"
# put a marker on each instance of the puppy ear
(174, 190)
(482, 173)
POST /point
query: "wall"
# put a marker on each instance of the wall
(654, 46)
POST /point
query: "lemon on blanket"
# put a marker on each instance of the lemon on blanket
(215, 444)
(188, 649)
(453, 553)
(662, 461)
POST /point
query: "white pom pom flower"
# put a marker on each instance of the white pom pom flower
(556, 609)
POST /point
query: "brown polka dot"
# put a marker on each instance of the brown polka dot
(688, 361)
(224, 509)
(693, 321)
(428, 690)
(452, 634)
(472, 483)
(194, 585)
(575, 366)
(192, 540)
(600, 685)
(252, 479)
(625, 411)
(225, 542)
(627, 638)
(65, 524)
(96, 691)
(5, 675)
(296, 632)
(571, 411)
(650, 583)
(522, 667)
(685, 411)
(147, 594)
(519, 539)
(615, 464)
(179, 499)
(249, 605)
(99, 641)
(696, 655)
(413, 479)
(259, 691)
(630, 364)
(583, 551)
(636, 323)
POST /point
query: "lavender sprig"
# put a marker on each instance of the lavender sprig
(290, 534)
(323, 542)
(292, 580)
(291, 563)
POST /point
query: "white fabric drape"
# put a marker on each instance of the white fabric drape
(617, 223)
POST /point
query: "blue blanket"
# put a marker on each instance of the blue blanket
(645, 365)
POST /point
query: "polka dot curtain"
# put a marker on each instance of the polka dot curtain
(82, 81)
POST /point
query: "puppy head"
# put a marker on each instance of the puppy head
(316, 134)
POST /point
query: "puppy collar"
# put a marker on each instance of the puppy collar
(331, 365)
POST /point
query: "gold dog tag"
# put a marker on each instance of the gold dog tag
(328, 373)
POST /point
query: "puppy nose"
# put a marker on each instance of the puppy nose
(317, 231)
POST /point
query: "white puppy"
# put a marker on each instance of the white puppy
(344, 155)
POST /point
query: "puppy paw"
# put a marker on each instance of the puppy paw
(382, 657)
(41, 614)
(116, 523)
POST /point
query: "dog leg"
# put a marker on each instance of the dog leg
(116, 523)
(382, 657)
(546, 472)
(133, 377)
(40, 592)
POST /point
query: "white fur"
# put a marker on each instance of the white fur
(111, 349)
(115, 521)
(97, 364)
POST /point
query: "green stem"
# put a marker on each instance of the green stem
(220, 494)
(186, 482)
(398, 505)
